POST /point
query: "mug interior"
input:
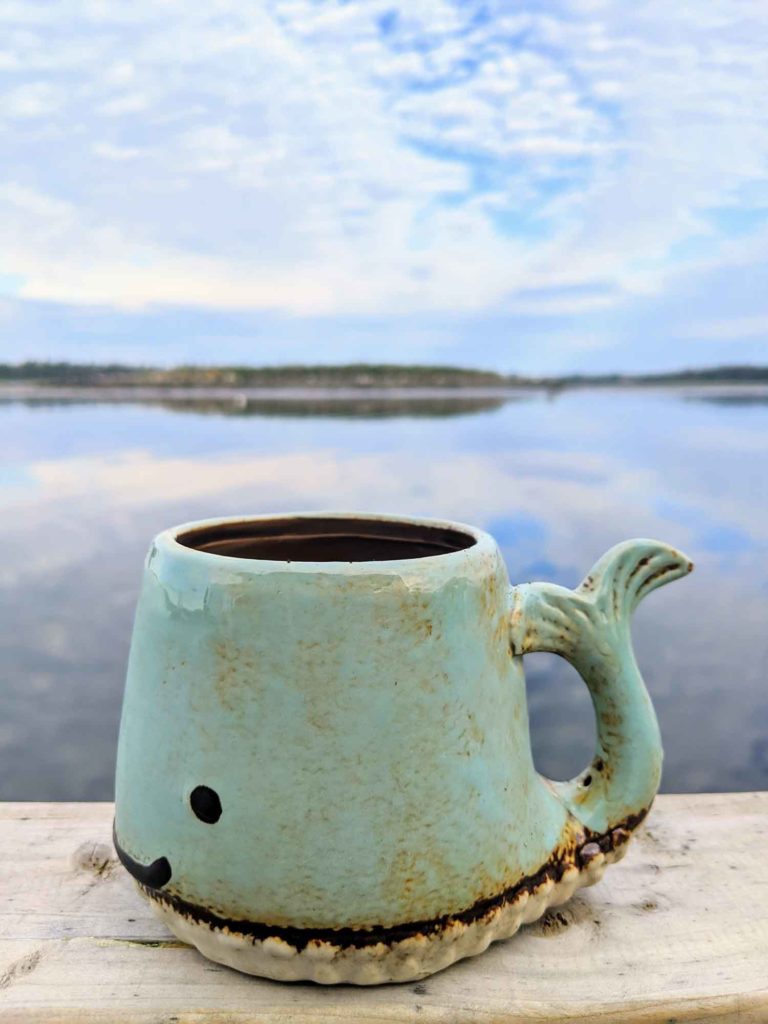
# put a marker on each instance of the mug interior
(330, 539)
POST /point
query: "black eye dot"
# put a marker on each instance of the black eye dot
(206, 804)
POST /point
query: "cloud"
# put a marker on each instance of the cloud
(109, 152)
(356, 158)
(30, 100)
(731, 329)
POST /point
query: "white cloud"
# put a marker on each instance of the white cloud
(125, 103)
(34, 206)
(363, 157)
(109, 152)
(732, 329)
(31, 100)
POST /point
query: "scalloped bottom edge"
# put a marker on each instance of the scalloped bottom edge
(408, 959)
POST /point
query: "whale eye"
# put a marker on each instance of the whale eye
(205, 802)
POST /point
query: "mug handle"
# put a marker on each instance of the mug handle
(589, 627)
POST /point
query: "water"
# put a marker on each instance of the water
(84, 486)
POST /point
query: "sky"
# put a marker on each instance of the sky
(534, 187)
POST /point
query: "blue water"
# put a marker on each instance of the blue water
(83, 488)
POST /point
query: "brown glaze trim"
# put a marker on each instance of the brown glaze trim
(578, 855)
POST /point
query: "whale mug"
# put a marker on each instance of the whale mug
(324, 768)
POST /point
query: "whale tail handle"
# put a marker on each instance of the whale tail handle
(589, 627)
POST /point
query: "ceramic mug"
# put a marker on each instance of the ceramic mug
(324, 768)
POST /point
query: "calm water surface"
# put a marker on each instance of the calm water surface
(84, 487)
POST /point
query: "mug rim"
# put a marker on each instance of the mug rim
(168, 541)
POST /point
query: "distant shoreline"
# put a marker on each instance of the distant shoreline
(352, 380)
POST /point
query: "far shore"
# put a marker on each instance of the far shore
(350, 380)
(366, 388)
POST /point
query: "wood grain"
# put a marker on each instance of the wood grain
(678, 932)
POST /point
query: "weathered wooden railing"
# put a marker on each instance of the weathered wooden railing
(677, 932)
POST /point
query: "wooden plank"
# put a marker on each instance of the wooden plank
(677, 932)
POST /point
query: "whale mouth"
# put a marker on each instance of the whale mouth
(155, 875)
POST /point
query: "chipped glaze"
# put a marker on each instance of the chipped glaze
(324, 769)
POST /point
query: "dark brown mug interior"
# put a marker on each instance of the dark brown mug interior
(325, 540)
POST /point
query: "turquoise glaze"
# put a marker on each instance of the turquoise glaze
(363, 724)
